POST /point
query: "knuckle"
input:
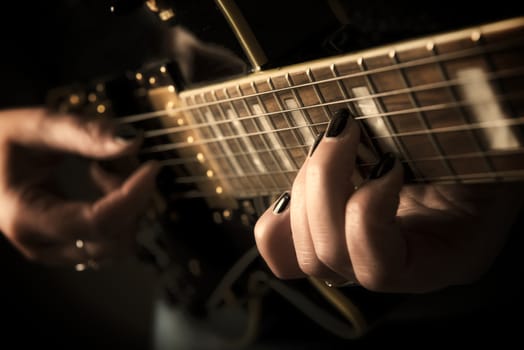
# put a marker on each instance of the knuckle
(318, 170)
(374, 279)
(310, 265)
(328, 255)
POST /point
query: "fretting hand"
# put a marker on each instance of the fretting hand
(37, 216)
(385, 236)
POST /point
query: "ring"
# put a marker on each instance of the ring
(90, 264)
(341, 284)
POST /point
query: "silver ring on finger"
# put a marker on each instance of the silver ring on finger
(89, 263)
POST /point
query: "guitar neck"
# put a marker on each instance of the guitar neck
(451, 106)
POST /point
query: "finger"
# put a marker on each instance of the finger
(104, 180)
(305, 250)
(127, 203)
(86, 136)
(40, 216)
(329, 186)
(378, 249)
(274, 239)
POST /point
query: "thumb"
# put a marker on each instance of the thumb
(87, 136)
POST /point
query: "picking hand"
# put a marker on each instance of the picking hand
(37, 216)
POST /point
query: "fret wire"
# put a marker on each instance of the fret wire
(305, 111)
(422, 118)
(236, 140)
(235, 109)
(386, 118)
(493, 153)
(508, 173)
(263, 138)
(297, 136)
(409, 64)
(171, 146)
(444, 74)
(264, 115)
(420, 88)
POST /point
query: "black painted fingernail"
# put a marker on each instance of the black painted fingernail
(385, 164)
(126, 133)
(315, 144)
(337, 123)
(281, 203)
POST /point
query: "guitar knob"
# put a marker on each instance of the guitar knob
(122, 7)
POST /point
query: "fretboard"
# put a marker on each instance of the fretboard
(451, 106)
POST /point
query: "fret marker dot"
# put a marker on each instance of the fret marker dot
(79, 244)
(200, 157)
(430, 46)
(392, 54)
(139, 76)
(180, 121)
(171, 88)
(227, 214)
(210, 173)
(74, 99)
(163, 69)
(190, 139)
(80, 267)
(475, 36)
(152, 80)
(219, 189)
(100, 109)
(169, 108)
(92, 97)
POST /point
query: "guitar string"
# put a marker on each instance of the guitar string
(196, 179)
(457, 156)
(394, 67)
(203, 178)
(254, 117)
(479, 177)
(197, 142)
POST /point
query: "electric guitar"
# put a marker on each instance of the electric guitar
(449, 102)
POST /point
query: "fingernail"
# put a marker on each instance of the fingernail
(126, 133)
(385, 164)
(337, 123)
(281, 203)
(315, 144)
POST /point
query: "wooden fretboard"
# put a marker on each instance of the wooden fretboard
(450, 105)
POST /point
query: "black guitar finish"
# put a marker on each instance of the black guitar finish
(194, 246)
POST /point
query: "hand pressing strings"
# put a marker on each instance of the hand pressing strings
(385, 236)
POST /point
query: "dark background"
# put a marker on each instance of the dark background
(45, 45)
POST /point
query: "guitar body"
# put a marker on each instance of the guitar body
(444, 92)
